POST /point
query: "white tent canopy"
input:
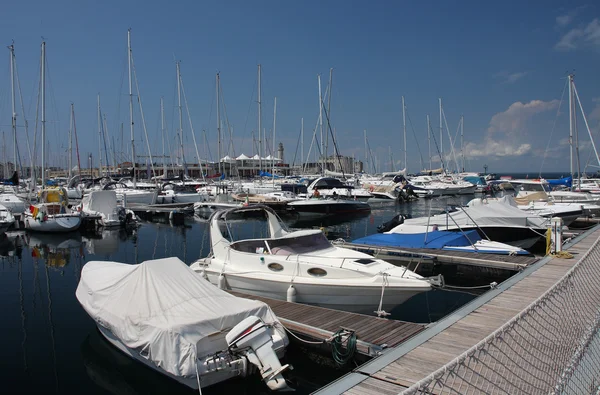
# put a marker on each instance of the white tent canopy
(163, 308)
(242, 157)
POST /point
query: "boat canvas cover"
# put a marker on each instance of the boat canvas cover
(100, 201)
(162, 309)
(436, 239)
(499, 213)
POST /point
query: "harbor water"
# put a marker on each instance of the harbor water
(51, 345)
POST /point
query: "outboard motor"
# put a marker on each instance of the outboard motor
(251, 338)
(392, 223)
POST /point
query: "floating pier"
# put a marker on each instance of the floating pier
(318, 323)
(522, 337)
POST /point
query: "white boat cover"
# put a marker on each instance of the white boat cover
(162, 308)
(502, 212)
(103, 202)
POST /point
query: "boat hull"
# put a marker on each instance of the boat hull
(317, 208)
(353, 298)
(60, 223)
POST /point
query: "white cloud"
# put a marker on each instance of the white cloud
(581, 37)
(510, 78)
(508, 129)
(566, 19)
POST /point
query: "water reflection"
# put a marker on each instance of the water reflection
(55, 249)
(107, 241)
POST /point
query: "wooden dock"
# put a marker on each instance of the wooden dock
(399, 368)
(317, 323)
(491, 261)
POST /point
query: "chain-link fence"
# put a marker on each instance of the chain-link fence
(553, 346)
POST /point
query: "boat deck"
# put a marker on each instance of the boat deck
(493, 261)
(431, 349)
(318, 323)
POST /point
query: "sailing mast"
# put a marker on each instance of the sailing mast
(302, 144)
(131, 106)
(14, 112)
(99, 139)
(260, 147)
(328, 110)
(429, 140)
(321, 126)
(218, 83)
(462, 146)
(571, 125)
(441, 135)
(404, 127)
(70, 159)
(43, 83)
(273, 154)
(180, 131)
(162, 130)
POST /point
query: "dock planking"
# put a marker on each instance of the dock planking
(373, 333)
(398, 369)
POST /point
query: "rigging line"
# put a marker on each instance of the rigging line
(335, 147)
(187, 109)
(26, 123)
(297, 147)
(553, 127)
(415, 136)
(437, 148)
(230, 145)
(55, 124)
(451, 141)
(119, 97)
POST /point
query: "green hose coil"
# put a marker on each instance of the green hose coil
(342, 355)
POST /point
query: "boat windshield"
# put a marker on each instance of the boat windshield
(301, 244)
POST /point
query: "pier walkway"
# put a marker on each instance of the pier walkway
(538, 332)
(318, 323)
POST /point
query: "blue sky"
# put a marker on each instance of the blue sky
(502, 65)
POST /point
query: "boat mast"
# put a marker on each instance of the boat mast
(441, 135)
(302, 144)
(260, 147)
(162, 130)
(274, 125)
(571, 124)
(329, 111)
(429, 140)
(321, 126)
(43, 83)
(14, 112)
(218, 82)
(404, 127)
(180, 130)
(70, 159)
(99, 139)
(462, 147)
(366, 152)
(131, 106)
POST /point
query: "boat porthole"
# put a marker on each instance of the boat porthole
(317, 272)
(276, 267)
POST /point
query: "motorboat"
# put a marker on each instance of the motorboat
(178, 193)
(130, 195)
(7, 219)
(52, 213)
(320, 207)
(419, 236)
(12, 202)
(104, 205)
(164, 315)
(334, 188)
(524, 187)
(498, 220)
(303, 266)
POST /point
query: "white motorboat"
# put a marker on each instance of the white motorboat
(164, 315)
(12, 202)
(303, 266)
(52, 213)
(6, 219)
(104, 204)
(525, 187)
(129, 195)
(334, 188)
(177, 193)
(498, 220)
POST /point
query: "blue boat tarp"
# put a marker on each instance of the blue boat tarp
(566, 181)
(267, 174)
(436, 239)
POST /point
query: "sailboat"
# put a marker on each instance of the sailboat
(52, 213)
